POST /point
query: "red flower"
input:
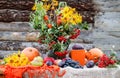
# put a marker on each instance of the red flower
(62, 38)
(61, 53)
(46, 18)
(59, 21)
(76, 34)
(49, 25)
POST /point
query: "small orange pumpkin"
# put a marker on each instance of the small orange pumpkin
(31, 53)
(94, 54)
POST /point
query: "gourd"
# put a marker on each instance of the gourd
(94, 54)
(31, 52)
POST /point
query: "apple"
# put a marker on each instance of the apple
(49, 59)
(37, 61)
(57, 61)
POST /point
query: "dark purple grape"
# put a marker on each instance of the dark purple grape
(77, 47)
(72, 64)
(49, 63)
(75, 62)
(90, 64)
(68, 61)
(76, 66)
(65, 65)
(81, 67)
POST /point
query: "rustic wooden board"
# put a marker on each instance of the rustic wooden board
(19, 10)
(83, 5)
(8, 15)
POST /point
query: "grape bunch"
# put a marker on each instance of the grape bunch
(69, 62)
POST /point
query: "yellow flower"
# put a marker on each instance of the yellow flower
(70, 16)
(55, 3)
(46, 6)
(17, 59)
(44, 0)
(65, 19)
(76, 19)
(34, 7)
(65, 10)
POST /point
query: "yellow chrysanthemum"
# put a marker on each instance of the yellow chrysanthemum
(16, 59)
(55, 3)
(76, 19)
(65, 19)
(34, 7)
(70, 16)
(46, 6)
(65, 10)
(45, 0)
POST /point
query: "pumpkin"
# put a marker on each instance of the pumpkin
(31, 53)
(94, 54)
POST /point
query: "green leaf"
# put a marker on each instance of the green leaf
(83, 26)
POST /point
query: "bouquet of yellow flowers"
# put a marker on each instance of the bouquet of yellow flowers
(57, 23)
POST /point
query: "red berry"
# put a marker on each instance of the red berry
(59, 21)
(49, 25)
(45, 17)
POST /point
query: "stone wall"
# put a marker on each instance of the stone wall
(104, 31)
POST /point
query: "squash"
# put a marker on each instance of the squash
(31, 53)
(94, 54)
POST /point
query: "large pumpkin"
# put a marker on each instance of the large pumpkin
(31, 53)
(94, 54)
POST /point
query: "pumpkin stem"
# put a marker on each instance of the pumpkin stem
(30, 50)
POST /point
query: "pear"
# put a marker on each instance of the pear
(37, 61)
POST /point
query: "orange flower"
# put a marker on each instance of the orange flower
(49, 25)
(59, 21)
(45, 17)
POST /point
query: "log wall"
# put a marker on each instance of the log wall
(102, 16)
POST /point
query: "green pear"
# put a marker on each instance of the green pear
(37, 61)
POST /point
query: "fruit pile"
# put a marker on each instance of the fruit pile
(69, 62)
(31, 56)
(92, 57)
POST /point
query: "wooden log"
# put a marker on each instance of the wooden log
(19, 36)
(16, 27)
(16, 4)
(8, 15)
(17, 45)
(81, 5)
